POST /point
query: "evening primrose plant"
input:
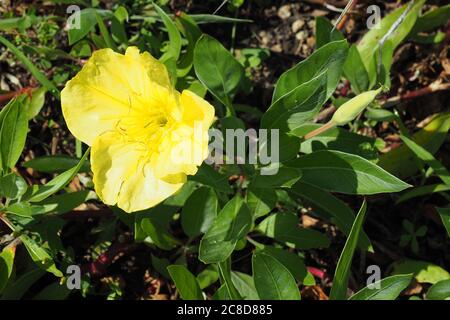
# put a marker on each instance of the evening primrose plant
(142, 107)
(126, 108)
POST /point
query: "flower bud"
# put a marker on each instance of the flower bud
(350, 110)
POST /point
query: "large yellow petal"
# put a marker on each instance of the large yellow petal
(196, 109)
(185, 146)
(108, 85)
(123, 175)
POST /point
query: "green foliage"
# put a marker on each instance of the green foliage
(386, 289)
(186, 283)
(342, 273)
(225, 213)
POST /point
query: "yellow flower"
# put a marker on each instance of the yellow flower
(146, 137)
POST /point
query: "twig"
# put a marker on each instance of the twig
(8, 96)
(220, 7)
(433, 87)
(342, 20)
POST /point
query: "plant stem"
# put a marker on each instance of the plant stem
(319, 130)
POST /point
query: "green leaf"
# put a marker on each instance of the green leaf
(36, 102)
(369, 45)
(288, 147)
(16, 289)
(272, 280)
(40, 256)
(355, 71)
(217, 69)
(192, 33)
(445, 216)
(402, 162)
(31, 67)
(329, 59)
(422, 191)
(439, 291)
(160, 265)
(6, 265)
(213, 18)
(245, 285)
(12, 186)
(342, 273)
(297, 106)
(260, 201)
(291, 261)
(389, 288)
(429, 159)
(199, 212)
(209, 177)
(54, 291)
(87, 22)
(345, 173)
(66, 202)
(208, 276)
(24, 209)
(338, 139)
(174, 36)
(424, 272)
(284, 178)
(432, 19)
(13, 132)
(57, 183)
(231, 225)
(180, 198)
(325, 32)
(326, 203)
(226, 280)
(284, 228)
(158, 234)
(55, 164)
(185, 282)
(105, 33)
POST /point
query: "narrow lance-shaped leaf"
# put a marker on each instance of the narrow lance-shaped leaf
(174, 36)
(426, 190)
(57, 183)
(225, 277)
(429, 159)
(402, 162)
(341, 276)
(445, 216)
(40, 256)
(185, 282)
(345, 173)
(13, 132)
(370, 44)
(386, 289)
(6, 265)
